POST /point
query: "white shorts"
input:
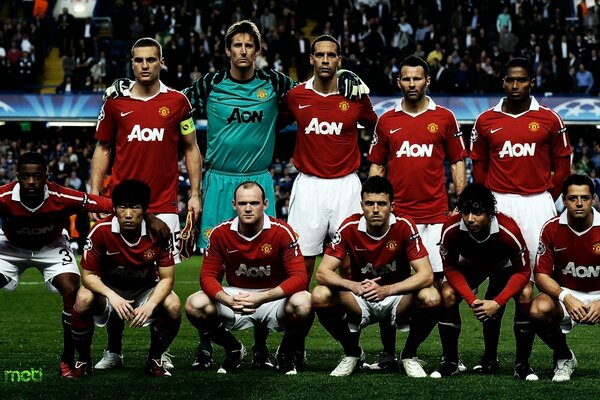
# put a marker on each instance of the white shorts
(51, 260)
(270, 315)
(531, 213)
(375, 311)
(101, 319)
(319, 206)
(172, 221)
(585, 297)
(431, 234)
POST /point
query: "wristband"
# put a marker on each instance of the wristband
(562, 295)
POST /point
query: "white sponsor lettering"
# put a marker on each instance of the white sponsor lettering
(517, 149)
(35, 231)
(582, 271)
(369, 269)
(146, 134)
(253, 272)
(415, 150)
(324, 128)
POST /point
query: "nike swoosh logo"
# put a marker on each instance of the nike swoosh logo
(495, 130)
(392, 131)
(561, 249)
(301, 106)
(124, 114)
(109, 253)
(359, 249)
(232, 251)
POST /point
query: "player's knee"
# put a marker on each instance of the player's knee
(198, 306)
(321, 296)
(541, 308)
(172, 306)
(301, 304)
(429, 297)
(448, 296)
(526, 295)
(84, 300)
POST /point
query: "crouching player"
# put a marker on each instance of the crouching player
(566, 273)
(264, 268)
(382, 248)
(476, 244)
(127, 273)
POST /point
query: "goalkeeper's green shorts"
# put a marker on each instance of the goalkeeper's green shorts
(217, 193)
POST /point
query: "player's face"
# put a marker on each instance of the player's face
(476, 221)
(249, 205)
(32, 179)
(376, 208)
(578, 202)
(325, 60)
(130, 217)
(413, 83)
(242, 52)
(146, 64)
(517, 85)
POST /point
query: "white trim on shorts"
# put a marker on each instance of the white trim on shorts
(431, 235)
(375, 311)
(585, 297)
(51, 260)
(102, 319)
(318, 206)
(172, 221)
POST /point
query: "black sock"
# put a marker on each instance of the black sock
(449, 334)
(556, 340)
(261, 334)
(223, 338)
(524, 333)
(491, 335)
(114, 330)
(162, 333)
(387, 333)
(422, 323)
(83, 342)
(68, 345)
(333, 321)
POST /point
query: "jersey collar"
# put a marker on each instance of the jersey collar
(430, 106)
(235, 224)
(163, 89)
(362, 225)
(562, 220)
(534, 106)
(115, 228)
(310, 85)
(494, 228)
(16, 196)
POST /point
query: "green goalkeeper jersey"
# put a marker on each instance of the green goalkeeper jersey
(241, 118)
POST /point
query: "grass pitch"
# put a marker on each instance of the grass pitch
(31, 338)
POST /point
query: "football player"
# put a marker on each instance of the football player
(477, 244)
(566, 272)
(264, 268)
(378, 286)
(34, 213)
(127, 273)
(520, 150)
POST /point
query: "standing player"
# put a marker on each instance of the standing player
(126, 273)
(34, 213)
(477, 244)
(521, 151)
(378, 286)
(413, 141)
(566, 273)
(264, 268)
(143, 128)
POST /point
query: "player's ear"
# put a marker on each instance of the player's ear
(265, 204)
(312, 61)
(392, 206)
(233, 204)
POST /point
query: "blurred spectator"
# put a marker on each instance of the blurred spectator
(65, 27)
(584, 80)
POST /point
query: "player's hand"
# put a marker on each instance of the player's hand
(373, 291)
(118, 87)
(250, 301)
(195, 205)
(350, 85)
(357, 288)
(141, 315)
(485, 309)
(158, 229)
(575, 308)
(94, 217)
(123, 307)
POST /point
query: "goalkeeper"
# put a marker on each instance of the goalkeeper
(241, 106)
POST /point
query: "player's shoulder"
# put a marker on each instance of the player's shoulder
(6, 190)
(452, 222)
(403, 220)
(444, 112)
(350, 223)
(283, 228)
(552, 224)
(101, 227)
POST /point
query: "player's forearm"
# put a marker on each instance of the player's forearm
(331, 279)
(480, 169)
(562, 169)
(412, 284)
(222, 298)
(93, 282)
(515, 284)
(459, 175)
(547, 285)
(458, 282)
(193, 164)
(100, 161)
(161, 291)
(273, 294)
(377, 170)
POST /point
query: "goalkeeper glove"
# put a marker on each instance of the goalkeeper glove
(118, 88)
(350, 85)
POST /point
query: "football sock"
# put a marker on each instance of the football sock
(114, 331)
(491, 335)
(68, 346)
(422, 323)
(524, 333)
(333, 321)
(449, 327)
(556, 340)
(387, 334)
(261, 333)
(205, 343)
(162, 334)
(223, 338)
(82, 332)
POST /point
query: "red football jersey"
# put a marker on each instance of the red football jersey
(34, 228)
(271, 258)
(463, 255)
(327, 136)
(145, 137)
(571, 258)
(387, 257)
(519, 148)
(414, 147)
(122, 265)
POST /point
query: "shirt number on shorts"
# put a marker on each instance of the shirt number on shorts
(66, 256)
